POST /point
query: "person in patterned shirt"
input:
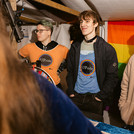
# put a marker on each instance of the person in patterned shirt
(49, 53)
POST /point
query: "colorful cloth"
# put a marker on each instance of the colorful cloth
(50, 60)
(86, 79)
(121, 37)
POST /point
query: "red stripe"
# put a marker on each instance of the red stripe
(121, 34)
(121, 22)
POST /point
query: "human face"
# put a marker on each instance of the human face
(88, 27)
(43, 33)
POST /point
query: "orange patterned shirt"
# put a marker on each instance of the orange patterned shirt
(50, 60)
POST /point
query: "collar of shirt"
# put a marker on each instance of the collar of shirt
(49, 46)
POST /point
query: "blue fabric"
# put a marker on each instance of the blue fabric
(112, 129)
(86, 79)
(67, 118)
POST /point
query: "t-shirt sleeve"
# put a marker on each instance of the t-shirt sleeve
(66, 51)
(24, 51)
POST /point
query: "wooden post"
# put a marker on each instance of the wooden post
(58, 6)
(14, 43)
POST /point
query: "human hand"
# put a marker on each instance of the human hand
(71, 95)
(97, 99)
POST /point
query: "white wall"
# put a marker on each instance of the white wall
(103, 31)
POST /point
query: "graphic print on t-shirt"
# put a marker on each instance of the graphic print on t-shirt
(87, 67)
(46, 60)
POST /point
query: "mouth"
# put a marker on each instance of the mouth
(83, 29)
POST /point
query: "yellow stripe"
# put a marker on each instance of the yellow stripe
(123, 52)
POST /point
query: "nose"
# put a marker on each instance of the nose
(37, 33)
(82, 23)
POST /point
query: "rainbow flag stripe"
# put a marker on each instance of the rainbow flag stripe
(121, 37)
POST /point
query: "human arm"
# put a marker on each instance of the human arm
(66, 116)
(127, 82)
(107, 74)
(22, 59)
(23, 53)
(70, 71)
(63, 66)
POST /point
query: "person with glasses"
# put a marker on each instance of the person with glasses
(49, 53)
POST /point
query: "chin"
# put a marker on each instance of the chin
(39, 40)
(84, 33)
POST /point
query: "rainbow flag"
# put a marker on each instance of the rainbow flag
(121, 37)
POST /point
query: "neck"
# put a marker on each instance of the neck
(90, 36)
(91, 39)
(45, 43)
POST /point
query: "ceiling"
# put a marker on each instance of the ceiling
(107, 9)
(67, 10)
(115, 9)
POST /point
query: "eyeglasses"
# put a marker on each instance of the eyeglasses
(40, 30)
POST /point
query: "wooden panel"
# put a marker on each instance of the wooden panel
(58, 6)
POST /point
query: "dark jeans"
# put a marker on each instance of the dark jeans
(87, 103)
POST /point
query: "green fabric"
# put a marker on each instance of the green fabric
(121, 67)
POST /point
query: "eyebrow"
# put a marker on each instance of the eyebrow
(86, 18)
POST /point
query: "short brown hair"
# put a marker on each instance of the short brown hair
(89, 13)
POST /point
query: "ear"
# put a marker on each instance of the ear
(96, 24)
(49, 32)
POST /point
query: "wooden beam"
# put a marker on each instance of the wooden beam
(52, 16)
(13, 4)
(58, 6)
(23, 18)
